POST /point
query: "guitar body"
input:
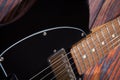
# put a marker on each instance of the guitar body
(30, 55)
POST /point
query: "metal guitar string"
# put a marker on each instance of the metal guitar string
(60, 72)
(55, 69)
(72, 64)
(64, 70)
(48, 67)
(34, 34)
(64, 63)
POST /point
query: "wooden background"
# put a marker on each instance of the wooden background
(102, 11)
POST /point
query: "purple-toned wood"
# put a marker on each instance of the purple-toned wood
(11, 10)
(102, 11)
(94, 8)
(107, 69)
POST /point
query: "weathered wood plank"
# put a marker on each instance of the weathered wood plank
(106, 69)
(11, 10)
(102, 11)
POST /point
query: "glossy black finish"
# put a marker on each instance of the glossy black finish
(31, 56)
(44, 14)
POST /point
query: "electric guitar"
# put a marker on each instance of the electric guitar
(40, 57)
(35, 60)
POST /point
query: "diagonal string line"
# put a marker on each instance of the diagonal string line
(66, 55)
(64, 70)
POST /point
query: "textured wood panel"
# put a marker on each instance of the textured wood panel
(107, 69)
(11, 10)
(102, 11)
(90, 50)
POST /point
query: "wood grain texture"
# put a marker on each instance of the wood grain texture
(101, 11)
(11, 10)
(88, 51)
(107, 69)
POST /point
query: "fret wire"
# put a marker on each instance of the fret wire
(119, 25)
(90, 51)
(85, 54)
(118, 21)
(77, 59)
(95, 47)
(104, 39)
(114, 28)
(109, 33)
(100, 44)
(81, 56)
(115, 42)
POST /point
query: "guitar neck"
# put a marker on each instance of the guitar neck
(87, 52)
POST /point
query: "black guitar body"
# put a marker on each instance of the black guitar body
(29, 56)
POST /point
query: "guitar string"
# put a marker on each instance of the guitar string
(111, 69)
(88, 55)
(34, 34)
(60, 59)
(54, 63)
(60, 73)
(50, 65)
(56, 68)
(63, 70)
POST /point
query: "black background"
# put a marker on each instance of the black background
(46, 14)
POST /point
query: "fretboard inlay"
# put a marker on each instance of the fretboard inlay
(96, 45)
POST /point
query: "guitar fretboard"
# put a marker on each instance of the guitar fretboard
(87, 52)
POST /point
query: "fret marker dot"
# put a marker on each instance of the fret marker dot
(93, 50)
(84, 56)
(118, 21)
(103, 42)
(113, 35)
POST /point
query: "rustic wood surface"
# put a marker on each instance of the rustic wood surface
(102, 11)
(107, 69)
(11, 10)
(91, 49)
